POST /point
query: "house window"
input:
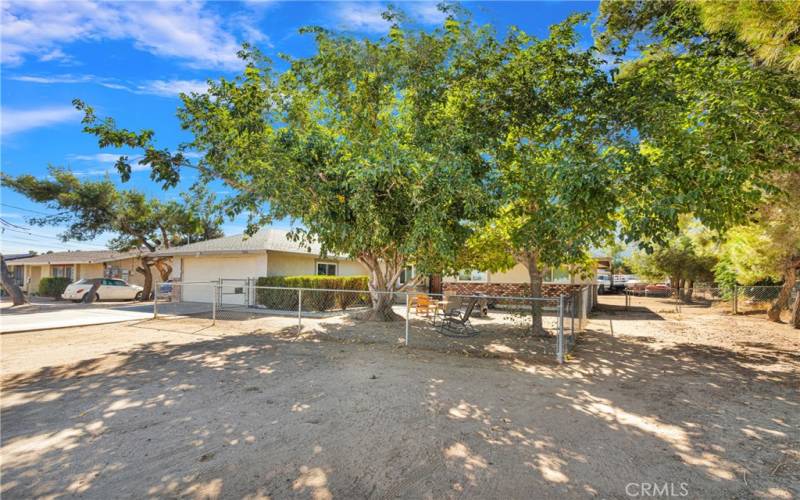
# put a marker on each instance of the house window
(116, 272)
(19, 274)
(62, 272)
(326, 268)
(472, 275)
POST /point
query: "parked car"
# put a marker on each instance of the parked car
(659, 289)
(165, 290)
(603, 283)
(110, 289)
(635, 286)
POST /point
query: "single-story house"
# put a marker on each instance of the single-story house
(269, 252)
(76, 265)
(239, 259)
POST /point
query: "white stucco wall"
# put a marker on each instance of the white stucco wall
(206, 269)
(292, 264)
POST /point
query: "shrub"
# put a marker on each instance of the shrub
(322, 297)
(53, 287)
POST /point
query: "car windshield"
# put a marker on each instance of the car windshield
(87, 281)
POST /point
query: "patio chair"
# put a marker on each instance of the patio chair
(423, 305)
(456, 321)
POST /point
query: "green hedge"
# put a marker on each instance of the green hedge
(53, 287)
(313, 300)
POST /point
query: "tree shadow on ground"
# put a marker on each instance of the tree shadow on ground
(286, 415)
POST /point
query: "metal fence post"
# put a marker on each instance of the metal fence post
(299, 310)
(735, 299)
(213, 305)
(155, 301)
(408, 308)
(572, 314)
(560, 340)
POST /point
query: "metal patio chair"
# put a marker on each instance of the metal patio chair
(456, 321)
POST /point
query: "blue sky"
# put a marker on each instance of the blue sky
(130, 60)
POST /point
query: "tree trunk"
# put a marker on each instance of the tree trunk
(382, 287)
(9, 286)
(675, 283)
(689, 291)
(145, 269)
(88, 297)
(164, 268)
(782, 302)
(536, 279)
(796, 311)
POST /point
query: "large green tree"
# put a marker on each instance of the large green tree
(89, 208)
(557, 163)
(713, 93)
(373, 147)
(713, 125)
(768, 247)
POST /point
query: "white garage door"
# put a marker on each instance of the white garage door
(211, 268)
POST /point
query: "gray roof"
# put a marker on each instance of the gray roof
(77, 257)
(14, 256)
(275, 240)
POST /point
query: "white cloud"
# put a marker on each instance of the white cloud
(181, 30)
(427, 12)
(365, 17)
(20, 120)
(171, 88)
(101, 157)
(50, 79)
(164, 88)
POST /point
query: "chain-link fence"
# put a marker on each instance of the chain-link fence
(736, 299)
(514, 327)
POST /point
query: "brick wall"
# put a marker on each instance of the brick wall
(508, 289)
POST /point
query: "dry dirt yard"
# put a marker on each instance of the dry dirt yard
(702, 402)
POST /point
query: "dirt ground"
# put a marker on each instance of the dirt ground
(695, 401)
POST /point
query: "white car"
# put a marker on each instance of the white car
(110, 289)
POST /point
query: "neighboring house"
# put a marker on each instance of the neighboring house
(268, 252)
(75, 266)
(513, 282)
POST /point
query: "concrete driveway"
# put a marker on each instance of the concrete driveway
(46, 315)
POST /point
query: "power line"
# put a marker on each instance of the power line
(36, 235)
(25, 209)
(3, 221)
(25, 241)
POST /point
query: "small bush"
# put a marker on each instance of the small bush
(323, 297)
(53, 287)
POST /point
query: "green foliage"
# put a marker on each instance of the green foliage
(374, 147)
(769, 246)
(712, 127)
(88, 208)
(680, 260)
(53, 287)
(556, 157)
(323, 298)
(770, 29)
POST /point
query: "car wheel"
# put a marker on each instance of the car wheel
(138, 296)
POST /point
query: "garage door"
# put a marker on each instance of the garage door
(212, 268)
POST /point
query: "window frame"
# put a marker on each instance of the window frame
(327, 263)
(65, 271)
(483, 279)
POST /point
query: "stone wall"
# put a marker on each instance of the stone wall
(508, 289)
